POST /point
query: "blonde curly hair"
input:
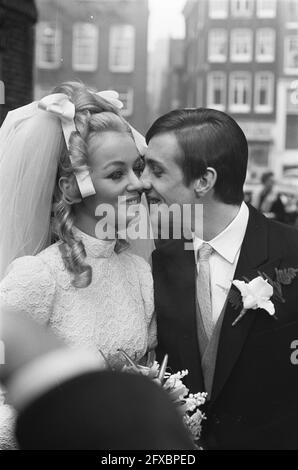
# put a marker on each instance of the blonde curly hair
(93, 115)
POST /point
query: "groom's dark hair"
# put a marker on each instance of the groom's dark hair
(208, 138)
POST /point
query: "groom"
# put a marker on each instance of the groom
(248, 367)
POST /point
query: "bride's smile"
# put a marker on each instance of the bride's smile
(112, 158)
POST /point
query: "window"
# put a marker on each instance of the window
(218, 9)
(240, 92)
(217, 45)
(242, 8)
(264, 92)
(291, 54)
(216, 96)
(266, 8)
(85, 47)
(48, 45)
(126, 96)
(265, 45)
(122, 48)
(241, 45)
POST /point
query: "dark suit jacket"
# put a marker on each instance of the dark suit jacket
(103, 411)
(254, 399)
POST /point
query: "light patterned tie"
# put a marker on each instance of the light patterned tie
(204, 289)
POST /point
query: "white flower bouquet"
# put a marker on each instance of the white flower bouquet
(187, 403)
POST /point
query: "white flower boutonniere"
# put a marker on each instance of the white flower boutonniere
(255, 294)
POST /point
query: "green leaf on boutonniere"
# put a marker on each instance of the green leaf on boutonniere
(277, 290)
(286, 276)
(235, 299)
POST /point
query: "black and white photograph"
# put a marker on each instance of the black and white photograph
(149, 228)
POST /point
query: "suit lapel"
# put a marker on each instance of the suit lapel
(253, 255)
(181, 270)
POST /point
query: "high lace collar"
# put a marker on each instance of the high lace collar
(94, 247)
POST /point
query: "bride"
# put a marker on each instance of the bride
(75, 148)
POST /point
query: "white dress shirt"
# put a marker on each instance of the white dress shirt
(224, 259)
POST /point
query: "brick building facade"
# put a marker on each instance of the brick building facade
(241, 57)
(286, 161)
(17, 19)
(102, 43)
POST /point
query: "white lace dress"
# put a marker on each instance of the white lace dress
(114, 311)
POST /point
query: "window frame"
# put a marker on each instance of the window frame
(241, 58)
(242, 14)
(210, 90)
(289, 70)
(57, 44)
(130, 66)
(259, 108)
(265, 58)
(76, 64)
(218, 14)
(240, 108)
(217, 57)
(266, 13)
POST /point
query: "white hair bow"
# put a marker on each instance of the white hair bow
(60, 105)
(113, 97)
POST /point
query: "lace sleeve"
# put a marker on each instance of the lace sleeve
(29, 287)
(146, 283)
